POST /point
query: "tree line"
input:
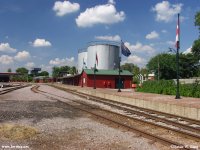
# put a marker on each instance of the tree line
(164, 64)
(25, 76)
(56, 72)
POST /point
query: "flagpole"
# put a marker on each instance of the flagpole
(126, 52)
(82, 73)
(177, 61)
(94, 77)
(95, 72)
(119, 81)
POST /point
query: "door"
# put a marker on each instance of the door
(121, 84)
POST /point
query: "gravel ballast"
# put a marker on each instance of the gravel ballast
(60, 126)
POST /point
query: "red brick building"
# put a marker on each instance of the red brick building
(102, 79)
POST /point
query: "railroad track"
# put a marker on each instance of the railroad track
(7, 90)
(182, 123)
(143, 111)
(124, 120)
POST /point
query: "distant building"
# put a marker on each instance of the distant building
(35, 71)
(151, 76)
(7, 76)
(102, 79)
(43, 79)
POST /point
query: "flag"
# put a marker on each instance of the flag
(96, 59)
(124, 50)
(178, 34)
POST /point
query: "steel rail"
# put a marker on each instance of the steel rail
(180, 118)
(145, 114)
(152, 123)
(11, 89)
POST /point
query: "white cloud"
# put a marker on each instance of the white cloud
(189, 50)
(46, 68)
(5, 59)
(166, 11)
(109, 38)
(171, 43)
(41, 43)
(62, 62)
(5, 47)
(135, 60)
(139, 47)
(65, 7)
(111, 2)
(152, 35)
(30, 65)
(164, 31)
(100, 14)
(22, 56)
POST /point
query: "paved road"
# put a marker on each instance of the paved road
(35, 121)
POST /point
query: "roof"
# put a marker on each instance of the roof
(108, 72)
(76, 75)
(9, 73)
(41, 77)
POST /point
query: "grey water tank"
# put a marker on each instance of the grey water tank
(82, 60)
(108, 56)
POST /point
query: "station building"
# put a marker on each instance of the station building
(100, 79)
(7, 76)
(104, 56)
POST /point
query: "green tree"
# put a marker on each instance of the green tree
(196, 44)
(136, 70)
(23, 74)
(133, 69)
(188, 65)
(44, 73)
(73, 70)
(9, 70)
(197, 20)
(163, 65)
(196, 48)
(64, 68)
(55, 71)
(22, 70)
(143, 71)
(128, 66)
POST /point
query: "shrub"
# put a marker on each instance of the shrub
(168, 87)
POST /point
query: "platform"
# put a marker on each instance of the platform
(185, 107)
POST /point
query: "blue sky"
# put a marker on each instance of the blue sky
(47, 33)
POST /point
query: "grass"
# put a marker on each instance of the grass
(16, 132)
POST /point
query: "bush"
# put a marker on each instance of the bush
(168, 87)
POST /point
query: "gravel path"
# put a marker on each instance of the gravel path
(60, 127)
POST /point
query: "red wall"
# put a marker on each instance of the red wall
(81, 78)
(103, 81)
